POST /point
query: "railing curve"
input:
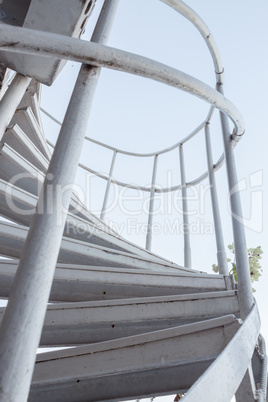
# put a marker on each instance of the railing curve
(23, 40)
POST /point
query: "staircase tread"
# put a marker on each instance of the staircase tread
(25, 118)
(83, 251)
(16, 138)
(138, 339)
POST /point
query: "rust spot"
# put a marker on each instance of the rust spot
(88, 7)
(83, 24)
(10, 44)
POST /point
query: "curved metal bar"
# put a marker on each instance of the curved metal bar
(231, 365)
(121, 151)
(194, 18)
(118, 183)
(50, 116)
(29, 41)
(157, 189)
(32, 283)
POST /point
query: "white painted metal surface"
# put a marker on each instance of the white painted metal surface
(90, 322)
(47, 16)
(191, 345)
(102, 56)
(11, 100)
(34, 277)
(157, 326)
(83, 282)
(234, 361)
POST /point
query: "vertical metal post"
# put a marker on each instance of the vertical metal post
(103, 211)
(186, 226)
(22, 323)
(241, 255)
(11, 100)
(151, 208)
(221, 255)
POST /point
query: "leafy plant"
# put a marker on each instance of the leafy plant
(254, 257)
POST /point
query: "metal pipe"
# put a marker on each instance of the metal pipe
(121, 151)
(262, 392)
(151, 207)
(11, 100)
(197, 21)
(22, 323)
(157, 190)
(221, 255)
(29, 41)
(186, 226)
(103, 211)
(241, 255)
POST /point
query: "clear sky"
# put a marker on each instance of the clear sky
(140, 115)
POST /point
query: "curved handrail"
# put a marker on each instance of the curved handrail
(29, 41)
(235, 359)
(195, 19)
(192, 183)
(139, 154)
(231, 365)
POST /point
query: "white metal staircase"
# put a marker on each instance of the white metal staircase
(138, 324)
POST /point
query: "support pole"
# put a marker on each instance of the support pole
(151, 208)
(22, 323)
(221, 255)
(241, 255)
(11, 100)
(107, 191)
(186, 226)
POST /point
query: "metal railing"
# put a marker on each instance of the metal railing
(66, 154)
(154, 189)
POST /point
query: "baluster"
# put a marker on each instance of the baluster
(151, 207)
(221, 255)
(11, 100)
(186, 226)
(22, 323)
(241, 255)
(107, 191)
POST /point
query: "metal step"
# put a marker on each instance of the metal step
(26, 201)
(28, 123)
(75, 283)
(90, 322)
(166, 361)
(16, 204)
(19, 206)
(32, 99)
(19, 141)
(12, 240)
(17, 170)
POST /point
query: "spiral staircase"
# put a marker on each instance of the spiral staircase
(130, 323)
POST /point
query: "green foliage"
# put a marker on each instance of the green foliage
(254, 257)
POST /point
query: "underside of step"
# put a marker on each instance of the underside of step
(178, 356)
(129, 323)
